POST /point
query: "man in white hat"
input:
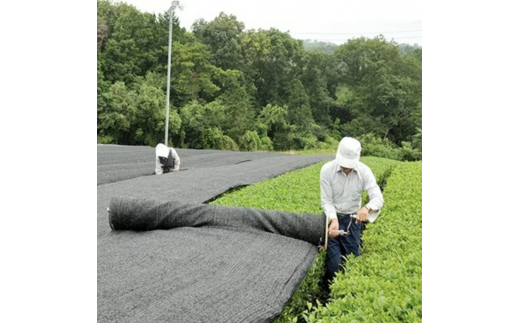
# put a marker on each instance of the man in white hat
(166, 160)
(342, 182)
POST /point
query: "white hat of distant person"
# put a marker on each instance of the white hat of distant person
(349, 152)
(161, 150)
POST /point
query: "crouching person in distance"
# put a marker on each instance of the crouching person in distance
(166, 160)
(342, 182)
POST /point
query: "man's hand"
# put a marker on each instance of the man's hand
(333, 228)
(362, 215)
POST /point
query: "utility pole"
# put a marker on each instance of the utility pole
(175, 3)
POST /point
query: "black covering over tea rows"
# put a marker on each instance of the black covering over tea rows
(170, 258)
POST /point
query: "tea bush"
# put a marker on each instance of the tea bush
(383, 284)
(299, 191)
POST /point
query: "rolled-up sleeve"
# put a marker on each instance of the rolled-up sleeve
(375, 196)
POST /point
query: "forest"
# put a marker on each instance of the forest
(233, 88)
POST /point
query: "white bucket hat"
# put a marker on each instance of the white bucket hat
(161, 150)
(349, 151)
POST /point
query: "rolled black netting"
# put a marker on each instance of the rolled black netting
(149, 214)
(207, 263)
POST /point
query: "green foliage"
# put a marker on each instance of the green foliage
(417, 54)
(273, 116)
(330, 143)
(273, 58)
(105, 139)
(284, 138)
(298, 108)
(117, 112)
(272, 121)
(335, 133)
(385, 283)
(150, 116)
(200, 125)
(408, 153)
(107, 14)
(417, 140)
(299, 191)
(222, 37)
(133, 46)
(382, 169)
(228, 144)
(293, 96)
(212, 138)
(267, 144)
(240, 113)
(250, 141)
(374, 146)
(384, 89)
(318, 78)
(192, 74)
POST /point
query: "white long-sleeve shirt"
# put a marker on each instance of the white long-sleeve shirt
(176, 163)
(342, 194)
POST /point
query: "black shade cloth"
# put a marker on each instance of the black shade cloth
(211, 263)
(215, 266)
(149, 214)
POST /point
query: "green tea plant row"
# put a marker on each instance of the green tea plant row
(384, 284)
(298, 191)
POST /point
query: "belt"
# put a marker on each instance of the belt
(352, 215)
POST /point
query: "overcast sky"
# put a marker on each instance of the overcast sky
(326, 20)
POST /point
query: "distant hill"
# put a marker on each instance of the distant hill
(407, 48)
(328, 48)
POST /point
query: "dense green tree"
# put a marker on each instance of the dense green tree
(133, 43)
(150, 116)
(192, 74)
(271, 119)
(272, 62)
(299, 110)
(116, 113)
(250, 141)
(196, 119)
(251, 90)
(344, 105)
(107, 15)
(222, 37)
(317, 71)
(385, 88)
(417, 53)
(239, 109)
(126, 49)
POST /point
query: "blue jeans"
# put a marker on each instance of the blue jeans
(342, 246)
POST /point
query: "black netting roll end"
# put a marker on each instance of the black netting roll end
(132, 214)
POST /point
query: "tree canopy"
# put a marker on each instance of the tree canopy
(239, 89)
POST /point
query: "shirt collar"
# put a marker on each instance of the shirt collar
(338, 169)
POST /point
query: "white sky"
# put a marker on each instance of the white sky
(326, 20)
